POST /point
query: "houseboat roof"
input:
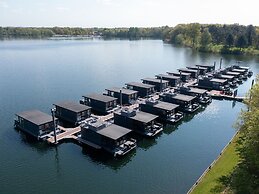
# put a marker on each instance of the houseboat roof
(137, 115)
(183, 97)
(241, 67)
(123, 90)
(188, 70)
(239, 70)
(168, 76)
(178, 74)
(205, 65)
(100, 97)
(197, 90)
(166, 106)
(114, 131)
(227, 76)
(196, 67)
(154, 80)
(72, 106)
(218, 80)
(141, 85)
(35, 116)
(232, 73)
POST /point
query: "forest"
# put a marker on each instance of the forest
(217, 38)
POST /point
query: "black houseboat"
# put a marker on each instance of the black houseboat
(243, 73)
(210, 68)
(202, 95)
(140, 122)
(249, 72)
(173, 80)
(237, 75)
(110, 137)
(72, 112)
(167, 112)
(100, 103)
(159, 84)
(202, 70)
(213, 83)
(34, 122)
(232, 81)
(194, 73)
(144, 90)
(187, 103)
(184, 76)
(124, 96)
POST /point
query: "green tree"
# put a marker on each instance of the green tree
(205, 38)
(251, 35)
(194, 33)
(230, 40)
(245, 177)
(241, 41)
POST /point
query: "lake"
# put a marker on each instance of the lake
(34, 74)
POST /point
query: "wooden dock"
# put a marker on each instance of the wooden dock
(67, 133)
(219, 95)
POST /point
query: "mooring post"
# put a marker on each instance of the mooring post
(120, 98)
(161, 82)
(53, 110)
(220, 63)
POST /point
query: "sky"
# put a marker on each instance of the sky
(126, 13)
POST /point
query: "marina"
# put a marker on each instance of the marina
(140, 107)
(180, 153)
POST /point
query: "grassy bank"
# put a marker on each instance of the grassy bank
(224, 165)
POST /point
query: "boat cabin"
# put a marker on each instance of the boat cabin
(159, 84)
(235, 74)
(140, 122)
(194, 73)
(202, 95)
(232, 81)
(124, 96)
(213, 83)
(173, 80)
(184, 76)
(167, 112)
(201, 70)
(186, 103)
(210, 68)
(110, 137)
(34, 122)
(100, 103)
(72, 112)
(144, 90)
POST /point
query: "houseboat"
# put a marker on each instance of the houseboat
(109, 137)
(202, 70)
(173, 80)
(186, 103)
(167, 112)
(184, 76)
(71, 112)
(159, 84)
(34, 122)
(213, 83)
(210, 68)
(232, 81)
(249, 72)
(194, 73)
(237, 75)
(100, 103)
(124, 96)
(243, 73)
(202, 95)
(140, 122)
(144, 90)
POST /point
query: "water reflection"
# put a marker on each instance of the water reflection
(106, 159)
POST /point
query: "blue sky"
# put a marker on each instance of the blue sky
(126, 13)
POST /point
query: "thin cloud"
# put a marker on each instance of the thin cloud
(4, 4)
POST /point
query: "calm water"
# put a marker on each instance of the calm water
(37, 73)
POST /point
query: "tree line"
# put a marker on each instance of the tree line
(233, 39)
(215, 37)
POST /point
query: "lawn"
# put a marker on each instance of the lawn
(223, 166)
